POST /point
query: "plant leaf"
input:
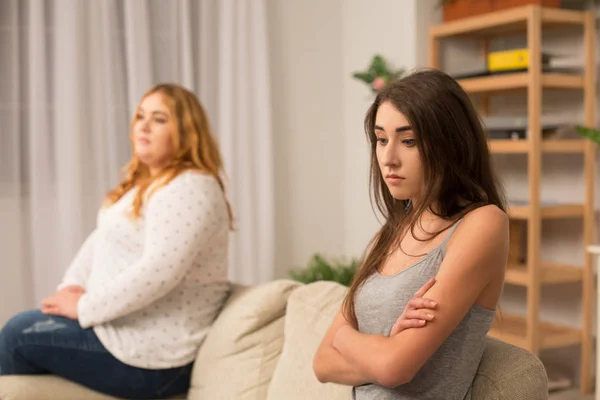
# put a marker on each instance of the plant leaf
(321, 269)
(591, 133)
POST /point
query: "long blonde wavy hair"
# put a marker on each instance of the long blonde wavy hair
(195, 144)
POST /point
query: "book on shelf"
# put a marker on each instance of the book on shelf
(516, 128)
(518, 60)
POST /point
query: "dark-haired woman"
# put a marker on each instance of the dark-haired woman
(432, 180)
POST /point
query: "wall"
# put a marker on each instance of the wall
(386, 28)
(305, 60)
(322, 202)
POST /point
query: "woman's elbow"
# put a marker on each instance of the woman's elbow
(392, 375)
(318, 369)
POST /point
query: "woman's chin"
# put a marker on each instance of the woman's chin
(144, 157)
(397, 195)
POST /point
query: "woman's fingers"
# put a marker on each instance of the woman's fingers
(51, 309)
(402, 324)
(417, 311)
(421, 292)
(47, 302)
(413, 323)
(418, 302)
(74, 289)
(419, 315)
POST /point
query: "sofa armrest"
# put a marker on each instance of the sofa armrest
(507, 372)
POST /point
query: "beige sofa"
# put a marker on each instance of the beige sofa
(262, 345)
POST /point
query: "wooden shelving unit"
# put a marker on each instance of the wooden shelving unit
(529, 331)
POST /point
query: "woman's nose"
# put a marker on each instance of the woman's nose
(390, 157)
(145, 126)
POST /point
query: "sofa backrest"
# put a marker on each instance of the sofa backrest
(240, 352)
(310, 310)
(262, 346)
(506, 372)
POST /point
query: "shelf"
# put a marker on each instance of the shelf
(551, 273)
(519, 80)
(510, 21)
(564, 146)
(512, 329)
(548, 212)
(507, 146)
(532, 22)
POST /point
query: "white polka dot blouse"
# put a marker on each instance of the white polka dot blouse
(155, 284)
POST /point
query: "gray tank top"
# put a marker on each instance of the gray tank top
(450, 371)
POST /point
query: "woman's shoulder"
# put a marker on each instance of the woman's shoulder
(192, 181)
(194, 177)
(485, 225)
(189, 184)
(487, 215)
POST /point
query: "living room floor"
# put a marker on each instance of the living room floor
(572, 394)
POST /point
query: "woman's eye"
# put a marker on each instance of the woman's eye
(382, 141)
(409, 142)
(160, 120)
(139, 116)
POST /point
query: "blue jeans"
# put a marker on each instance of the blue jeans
(34, 343)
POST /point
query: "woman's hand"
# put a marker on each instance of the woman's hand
(417, 312)
(64, 302)
(72, 288)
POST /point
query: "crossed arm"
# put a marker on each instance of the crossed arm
(477, 254)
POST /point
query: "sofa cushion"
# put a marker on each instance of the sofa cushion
(50, 387)
(507, 372)
(310, 310)
(45, 387)
(239, 354)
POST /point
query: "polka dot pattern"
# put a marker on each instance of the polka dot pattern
(154, 286)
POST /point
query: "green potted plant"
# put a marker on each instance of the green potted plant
(378, 74)
(320, 268)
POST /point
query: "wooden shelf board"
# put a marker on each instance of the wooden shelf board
(563, 146)
(519, 80)
(509, 21)
(507, 146)
(492, 83)
(513, 329)
(548, 212)
(551, 273)
(558, 16)
(562, 81)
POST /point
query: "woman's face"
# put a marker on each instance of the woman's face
(397, 154)
(153, 132)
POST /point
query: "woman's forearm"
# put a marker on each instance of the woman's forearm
(366, 353)
(331, 366)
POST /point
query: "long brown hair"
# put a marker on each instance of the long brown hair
(194, 141)
(454, 152)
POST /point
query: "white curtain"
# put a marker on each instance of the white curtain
(71, 74)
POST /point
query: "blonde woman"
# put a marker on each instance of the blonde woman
(137, 300)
